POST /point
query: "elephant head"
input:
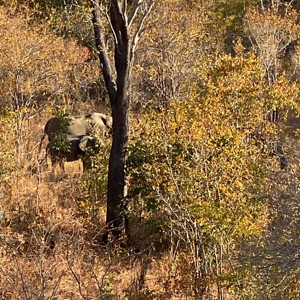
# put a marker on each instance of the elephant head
(100, 123)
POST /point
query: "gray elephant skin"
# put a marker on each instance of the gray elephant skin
(71, 148)
(89, 124)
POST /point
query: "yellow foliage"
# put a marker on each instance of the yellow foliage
(272, 32)
(196, 167)
(178, 35)
(35, 63)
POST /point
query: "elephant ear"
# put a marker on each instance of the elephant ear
(84, 143)
(104, 120)
(107, 121)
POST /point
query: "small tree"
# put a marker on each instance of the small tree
(271, 31)
(125, 19)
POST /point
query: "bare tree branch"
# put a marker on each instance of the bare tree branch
(78, 282)
(134, 11)
(102, 51)
(140, 27)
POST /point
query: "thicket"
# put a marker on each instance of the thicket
(211, 213)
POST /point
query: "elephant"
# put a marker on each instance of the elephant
(71, 148)
(89, 124)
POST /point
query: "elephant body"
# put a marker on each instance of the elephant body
(72, 138)
(89, 124)
(71, 148)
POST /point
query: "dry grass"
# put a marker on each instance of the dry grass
(50, 247)
(50, 238)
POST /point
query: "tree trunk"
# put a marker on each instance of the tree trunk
(118, 91)
(120, 102)
(116, 174)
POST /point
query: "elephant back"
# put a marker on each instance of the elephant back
(56, 126)
(79, 126)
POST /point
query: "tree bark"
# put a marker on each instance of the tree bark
(120, 111)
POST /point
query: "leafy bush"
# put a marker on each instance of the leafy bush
(197, 170)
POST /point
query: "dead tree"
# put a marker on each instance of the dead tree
(125, 21)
